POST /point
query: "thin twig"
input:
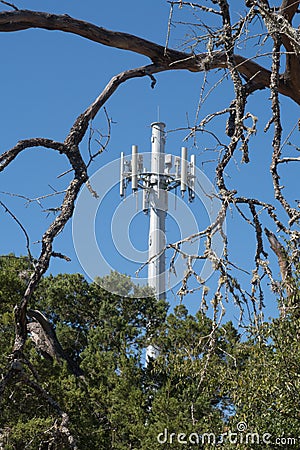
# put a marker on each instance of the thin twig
(22, 228)
(169, 29)
(9, 4)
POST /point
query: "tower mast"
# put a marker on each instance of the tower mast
(158, 206)
(155, 185)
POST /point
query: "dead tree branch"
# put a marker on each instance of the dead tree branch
(163, 59)
(21, 226)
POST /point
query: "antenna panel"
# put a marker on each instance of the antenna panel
(122, 184)
(183, 177)
(134, 168)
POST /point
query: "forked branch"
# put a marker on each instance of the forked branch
(163, 59)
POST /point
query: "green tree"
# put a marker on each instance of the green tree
(187, 393)
(102, 334)
(265, 391)
(206, 381)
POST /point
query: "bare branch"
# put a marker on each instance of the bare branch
(63, 427)
(10, 4)
(169, 28)
(33, 200)
(61, 256)
(22, 228)
(292, 212)
(44, 337)
(289, 8)
(162, 60)
(280, 23)
(195, 5)
(285, 269)
(7, 157)
(288, 159)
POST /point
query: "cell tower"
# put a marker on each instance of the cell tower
(155, 185)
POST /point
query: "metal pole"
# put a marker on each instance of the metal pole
(158, 204)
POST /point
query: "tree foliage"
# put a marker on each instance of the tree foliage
(207, 379)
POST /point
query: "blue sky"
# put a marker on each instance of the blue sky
(48, 78)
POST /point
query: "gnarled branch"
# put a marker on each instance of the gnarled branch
(163, 59)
